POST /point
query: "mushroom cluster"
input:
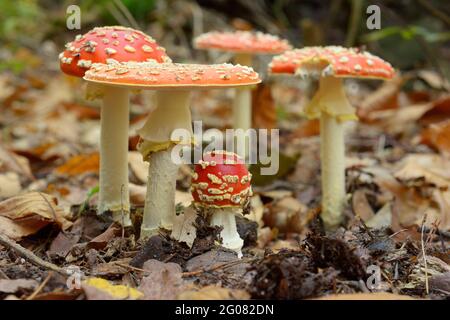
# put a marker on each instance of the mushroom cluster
(330, 65)
(221, 183)
(173, 83)
(245, 45)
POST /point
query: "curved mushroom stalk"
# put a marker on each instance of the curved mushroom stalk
(330, 102)
(242, 104)
(113, 191)
(159, 211)
(172, 112)
(225, 218)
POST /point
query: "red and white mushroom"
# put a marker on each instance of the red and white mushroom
(173, 83)
(244, 44)
(109, 45)
(330, 65)
(221, 183)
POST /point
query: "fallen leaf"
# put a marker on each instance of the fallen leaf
(9, 161)
(26, 214)
(163, 282)
(102, 240)
(9, 185)
(306, 129)
(361, 205)
(213, 292)
(366, 296)
(80, 164)
(441, 282)
(432, 168)
(101, 289)
(439, 111)
(184, 229)
(437, 136)
(14, 285)
(382, 219)
(63, 243)
(264, 114)
(138, 166)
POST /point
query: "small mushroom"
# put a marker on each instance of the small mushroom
(173, 83)
(221, 183)
(330, 65)
(101, 45)
(245, 45)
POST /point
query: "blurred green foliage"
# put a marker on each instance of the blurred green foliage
(139, 9)
(19, 17)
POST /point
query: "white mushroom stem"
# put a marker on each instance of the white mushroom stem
(159, 211)
(331, 103)
(332, 152)
(113, 191)
(225, 218)
(242, 104)
(172, 112)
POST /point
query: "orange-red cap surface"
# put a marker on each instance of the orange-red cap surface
(333, 61)
(242, 42)
(103, 43)
(221, 180)
(172, 75)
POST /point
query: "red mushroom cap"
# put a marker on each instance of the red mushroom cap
(242, 42)
(333, 61)
(221, 180)
(171, 75)
(117, 43)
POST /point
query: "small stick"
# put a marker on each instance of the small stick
(41, 286)
(221, 266)
(424, 255)
(25, 253)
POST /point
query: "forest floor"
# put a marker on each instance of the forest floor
(395, 243)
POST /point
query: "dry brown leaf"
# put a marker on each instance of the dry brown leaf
(184, 229)
(9, 185)
(439, 111)
(214, 293)
(437, 136)
(384, 98)
(138, 166)
(102, 240)
(164, 281)
(80, 164)
(361, 206)
(264, 114)
(432, 168)
(307, 128)
(14, 285)
(366, 296)
(10, 161)
(26, 214)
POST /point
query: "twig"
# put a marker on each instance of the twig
(127, 14)
(4, 275)
(445, 234)
(215, 268)
(355, 19)
(41, 286)
(25, 253)
(436, 12)
(424, 255)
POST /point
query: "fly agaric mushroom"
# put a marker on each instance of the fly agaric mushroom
(101, 45)
(173, 83)
(332, 64)
(221, 183)
(245, 45)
